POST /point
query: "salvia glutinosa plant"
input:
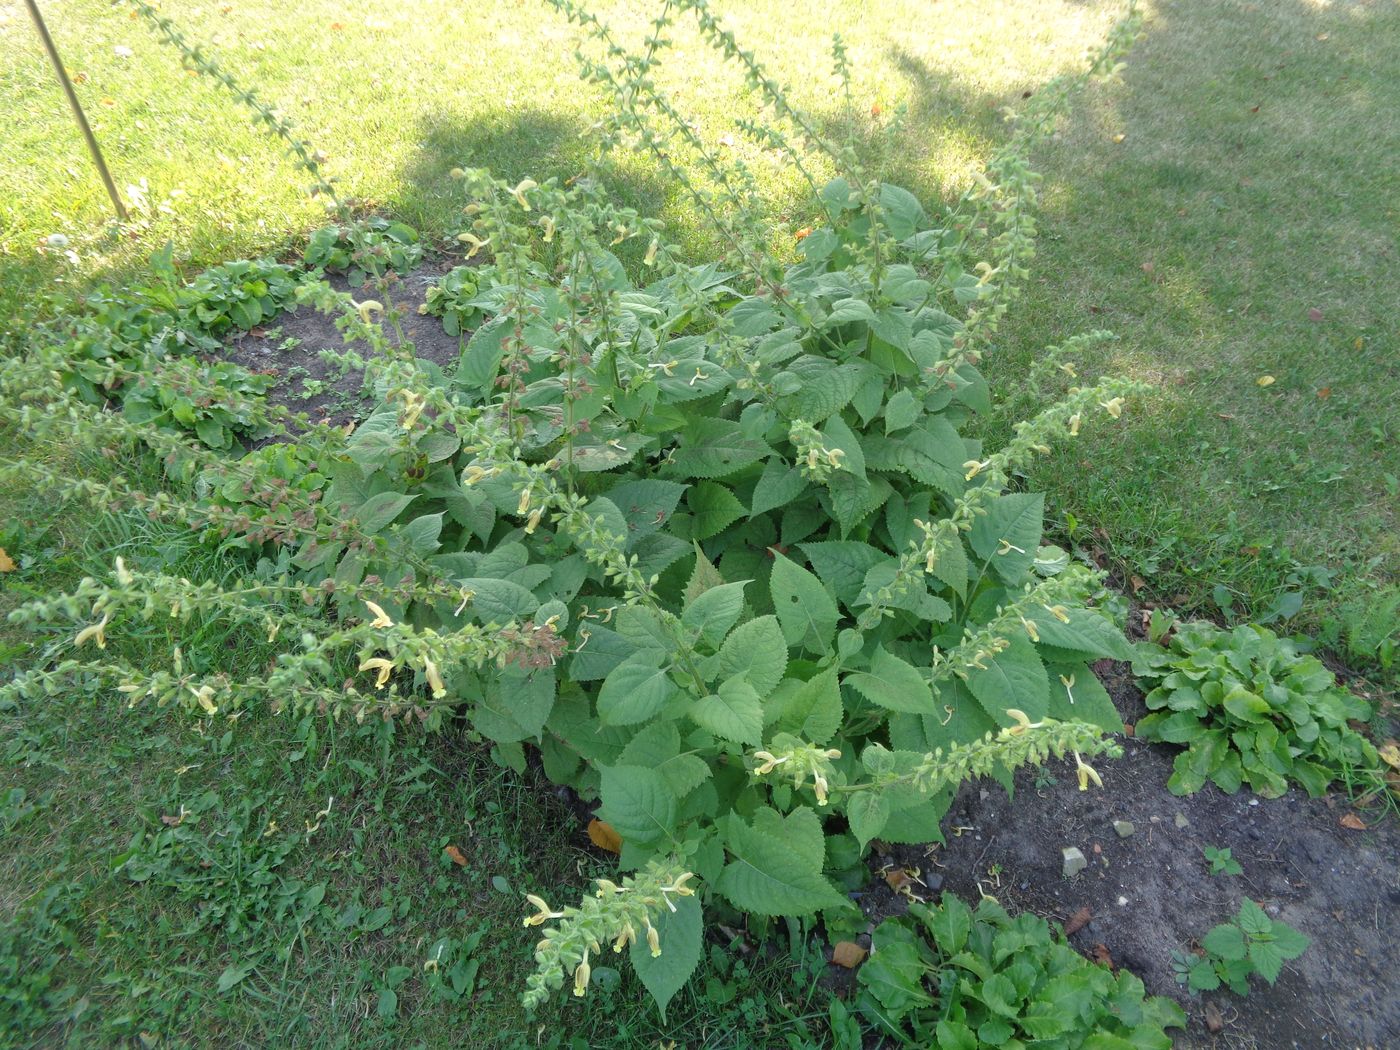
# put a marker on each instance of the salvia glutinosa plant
(709, 539)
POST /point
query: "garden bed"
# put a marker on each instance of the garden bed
(290, 347)
(1152, 893)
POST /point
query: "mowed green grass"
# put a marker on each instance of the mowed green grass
(1246, 220)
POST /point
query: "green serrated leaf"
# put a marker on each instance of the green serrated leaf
(1008, 535)
(867, 813)
(714, 611)
(637, 803)
(901, 411)
(813, 710)
(1014, 678)
(777, 865)
(713, 508)
(806, 612)
(757, 651)
(733, 712)
(893, 684)
(634, 691)
(680, 936)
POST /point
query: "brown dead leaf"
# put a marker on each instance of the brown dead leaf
(602, 835)
(456, 856)
(1389, 752)
(1128, 729)
(1314, 314)
(1101, 956)
(1137, 582)
(1351, 820)
(898, 879)
(1148, 267)
(1324, 392)
(1078, 921)
(7, 564)
(1214, 1021)
(172, 822)
(848, 954)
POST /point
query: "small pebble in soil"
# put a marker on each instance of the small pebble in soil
(1122, 902)
(1124, 828)
(1181, 821)
(1074, 861)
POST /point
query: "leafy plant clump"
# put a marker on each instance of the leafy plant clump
(1234, 951)
(240, 294)
(456, 300)
(1251, 710)
(364, 249)
(710, 539)
(959, 979)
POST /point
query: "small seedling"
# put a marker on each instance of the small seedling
(1221, 862)
(1233, 951)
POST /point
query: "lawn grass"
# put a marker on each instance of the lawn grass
(1246, 221)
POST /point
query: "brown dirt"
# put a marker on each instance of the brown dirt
(290, 347)
(1152, 893)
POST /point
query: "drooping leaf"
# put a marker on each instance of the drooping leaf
(680, 936)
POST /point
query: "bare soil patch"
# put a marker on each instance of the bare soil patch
(290, 348)
(1152, 893)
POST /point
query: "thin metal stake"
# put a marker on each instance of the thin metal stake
(78, 114)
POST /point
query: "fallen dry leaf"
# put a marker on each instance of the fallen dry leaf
(1119, 137)
(1148, 267)
(1101, 956)
(7, 564)
(1078, 921)
(1213, 1019)
(1128, 729)
(848, 954)
(898, 879)
(803, 233)
(602, 835)
(1351, 820)
(1324, 392)
(1314, 314)
(456, 856)
(172, 822)
(1265, 381)
(1389, 751)
(1138, 583)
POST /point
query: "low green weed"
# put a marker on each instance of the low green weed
(240, 294)
(456, 298)
(960, 979)
(1233, 952)
(1221, 861)
(364, 249)
(1251, 710)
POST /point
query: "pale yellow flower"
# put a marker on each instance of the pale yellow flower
(383, 666)
(381, 618)
(97, 632)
